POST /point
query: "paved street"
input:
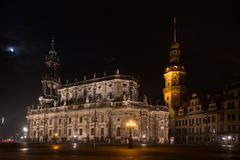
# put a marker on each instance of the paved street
(82, 152)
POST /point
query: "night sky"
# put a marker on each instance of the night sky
(101, 36)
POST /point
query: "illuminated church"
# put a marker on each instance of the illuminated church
(96, 109)
(99, 109)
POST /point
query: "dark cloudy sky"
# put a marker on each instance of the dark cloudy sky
(97, 36)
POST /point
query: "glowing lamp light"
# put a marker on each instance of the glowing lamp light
(144, 136)
(25, 129)
(214, 131)
(131, 124)
(229, 137)
(223, 138)
(75, 136)
(55, 134)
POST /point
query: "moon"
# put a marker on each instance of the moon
(11, 49)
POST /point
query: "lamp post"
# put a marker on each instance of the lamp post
(130, 124)
(74, 138)
(207, 129)
(55, 138)
(25, 130)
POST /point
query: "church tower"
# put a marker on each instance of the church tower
(174, 76)
(51, 80)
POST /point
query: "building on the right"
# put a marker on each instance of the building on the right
(231, 106)
(194, 119)
(199, 120)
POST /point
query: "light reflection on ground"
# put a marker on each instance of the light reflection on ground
(74, 145)
(56, 146)
(24, 149)
(79, 151)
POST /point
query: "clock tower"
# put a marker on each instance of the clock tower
(174, 76)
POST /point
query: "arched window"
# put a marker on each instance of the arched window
(102, 118)
(118, 131)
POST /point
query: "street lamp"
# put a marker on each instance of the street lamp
(25, 130)
(130, 124)
(55, 138)
(74, 138)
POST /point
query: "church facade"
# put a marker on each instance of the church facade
(93, 109)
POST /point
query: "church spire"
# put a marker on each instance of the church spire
(52, 50)
(175, 30)
(174, 76)
(52, 44)
(175, 52)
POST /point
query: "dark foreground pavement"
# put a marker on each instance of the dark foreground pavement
(140, 152)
